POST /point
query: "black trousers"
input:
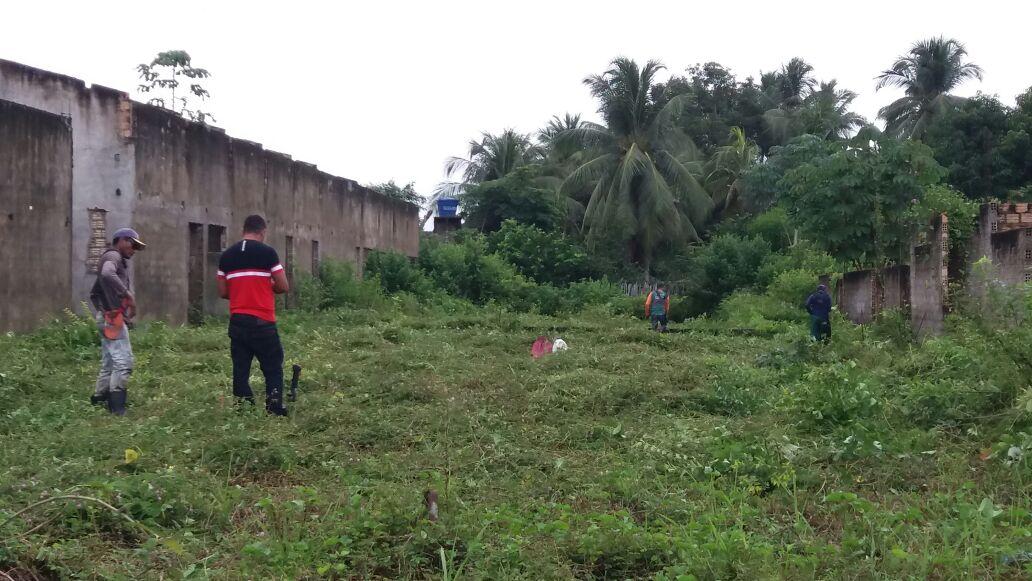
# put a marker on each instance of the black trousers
(251, 337)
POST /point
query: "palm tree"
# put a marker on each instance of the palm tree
(826, 112)
(493, 157)
(927, 73)
(795, 82)
(641, 169)
(725, 169)
(786, 91)
(562, 156)
(556, 126)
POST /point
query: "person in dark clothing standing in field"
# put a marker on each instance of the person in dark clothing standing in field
(249, 274)
(112, 297)
(818, 304)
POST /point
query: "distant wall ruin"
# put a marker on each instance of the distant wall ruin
(1003, 236)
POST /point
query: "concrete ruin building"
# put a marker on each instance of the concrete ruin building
(78, 162)
(1002, 236)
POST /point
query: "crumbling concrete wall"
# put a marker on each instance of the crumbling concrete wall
(929, 264)
(863, 294)
(1010, 255)
(102, 171)
(894, 288)
(195, 174)
(919, 287)
(1003, 235)
(35, 215)
(187, 188)
(856, 293)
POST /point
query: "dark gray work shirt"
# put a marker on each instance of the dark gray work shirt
(112, 284)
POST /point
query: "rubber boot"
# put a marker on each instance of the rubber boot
(99, 399)
(275, 408)
(116, 402)
(274, 404)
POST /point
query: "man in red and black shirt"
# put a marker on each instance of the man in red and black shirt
(249, 274)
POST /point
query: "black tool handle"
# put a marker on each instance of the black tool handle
(296, 369)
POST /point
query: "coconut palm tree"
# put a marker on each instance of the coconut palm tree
(927, 74)
(640, 169)
(556, 126)
(493, 157)
(826, 112)
(786, 91)
(724, 170)
(795, 82)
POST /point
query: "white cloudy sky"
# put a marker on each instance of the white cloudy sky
(386, 89)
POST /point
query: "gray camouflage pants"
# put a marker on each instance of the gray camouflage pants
(116, 362)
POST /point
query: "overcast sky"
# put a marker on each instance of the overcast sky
(381, 89)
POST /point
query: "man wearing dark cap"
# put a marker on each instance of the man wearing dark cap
(818, 304)
(112, 297)
(249, 275)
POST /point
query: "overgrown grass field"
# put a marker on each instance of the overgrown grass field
(715, 452)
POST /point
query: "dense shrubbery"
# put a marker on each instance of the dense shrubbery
(337, 286)
(465, 270)
(727, 264)
(544, 257)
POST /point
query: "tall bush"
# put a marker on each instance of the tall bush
(544, 257)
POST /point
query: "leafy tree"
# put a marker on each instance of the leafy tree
(1016, 145)
(515, 196)
(642, 171)
(715, 103)
(760, 183)
(166, 74)
(543, 256)
(927, 74)
(406, 193)
(854, 201)
(967, 140)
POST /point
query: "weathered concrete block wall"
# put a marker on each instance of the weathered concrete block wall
(35, 215)
(856, 296)
(894, 287)
(1010, 255)
(102, 172)
(187, 188)
(928, 280)
(863, 294)
(188, 173)
(1002, 235)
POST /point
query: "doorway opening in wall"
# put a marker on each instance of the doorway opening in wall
(315, 258)
(361, 256)
(216, 244)
(289, 267)
(195, 274)
(216, 238)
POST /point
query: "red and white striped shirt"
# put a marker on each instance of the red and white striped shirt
(247, 268)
